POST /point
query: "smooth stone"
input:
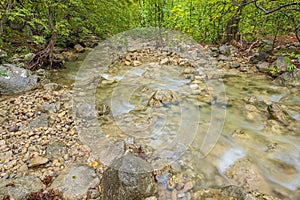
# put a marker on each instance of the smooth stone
(75, 181)
(37, 161)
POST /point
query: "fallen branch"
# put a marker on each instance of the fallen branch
(254, 43)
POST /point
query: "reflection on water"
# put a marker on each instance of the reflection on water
(178, 131)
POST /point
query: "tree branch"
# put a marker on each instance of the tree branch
(275, 9)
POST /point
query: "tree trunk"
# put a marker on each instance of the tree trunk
(5, 17)
(232, 28)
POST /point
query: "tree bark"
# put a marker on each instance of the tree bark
(5, 17)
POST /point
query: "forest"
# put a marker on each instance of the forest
(29, 25)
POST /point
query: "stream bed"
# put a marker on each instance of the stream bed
(215, 133)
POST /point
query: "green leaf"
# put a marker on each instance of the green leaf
(3, 72)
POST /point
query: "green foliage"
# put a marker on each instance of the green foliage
(291, 67)
(210, 21)
(293, 54)
(273, 70)
(3, 72)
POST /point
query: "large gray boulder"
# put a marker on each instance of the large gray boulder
(280, 63)
(130, 178)
(14, 79)
(289, 78)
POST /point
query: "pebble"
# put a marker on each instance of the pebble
(194, 86)
(37, 161)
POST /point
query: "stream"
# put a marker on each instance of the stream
(178, 133)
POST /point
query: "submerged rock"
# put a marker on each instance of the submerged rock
(161, 96)
(14, 79)
(278, 114)
(245, 174)
(229, 193)
(128, 177)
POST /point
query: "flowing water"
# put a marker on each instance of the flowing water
(181, 132)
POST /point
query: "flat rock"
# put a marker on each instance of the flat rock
(75, 181)
(56, 150)
(37, 161)
(20, 188)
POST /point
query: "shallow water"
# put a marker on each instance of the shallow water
(182, 133)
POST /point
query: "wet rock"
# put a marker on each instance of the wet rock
(278, 114)
(15, 79)
(37, 161)
(51, 86)
(289, 78)
(229, 193)
(245, 174)
(78, 48)
(161, 96)
(20, 188)
(75, 182)
(128, 177)
(263, 66)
